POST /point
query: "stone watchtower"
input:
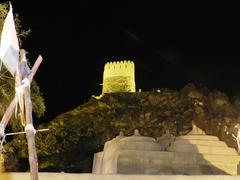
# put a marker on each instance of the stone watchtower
(119, 76)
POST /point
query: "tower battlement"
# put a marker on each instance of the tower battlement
(119, 68)
(119, 76)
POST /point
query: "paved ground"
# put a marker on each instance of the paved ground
(67, 176)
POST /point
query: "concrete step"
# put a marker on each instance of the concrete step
(199, 137)
(201, 142)
(202, 149)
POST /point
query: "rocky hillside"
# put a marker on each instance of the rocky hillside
(76, 135)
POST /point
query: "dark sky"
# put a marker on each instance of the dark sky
(172, 44)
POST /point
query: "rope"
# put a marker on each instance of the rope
(24, 132)
(2, 140)
(2, 129)
(19, 91)
(30, 128)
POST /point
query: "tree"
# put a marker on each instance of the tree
(3, 13)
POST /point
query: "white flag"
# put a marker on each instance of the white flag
(9, 47)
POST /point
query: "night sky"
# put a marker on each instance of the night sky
(172, 44)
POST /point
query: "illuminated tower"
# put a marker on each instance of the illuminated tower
(119, 76)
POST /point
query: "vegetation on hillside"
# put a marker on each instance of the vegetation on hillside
(76, 135)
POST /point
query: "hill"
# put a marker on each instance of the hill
(76, 135)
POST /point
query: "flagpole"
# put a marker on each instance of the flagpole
(27, 115)
(30, 134)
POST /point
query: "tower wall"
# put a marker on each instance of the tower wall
(119, 77)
